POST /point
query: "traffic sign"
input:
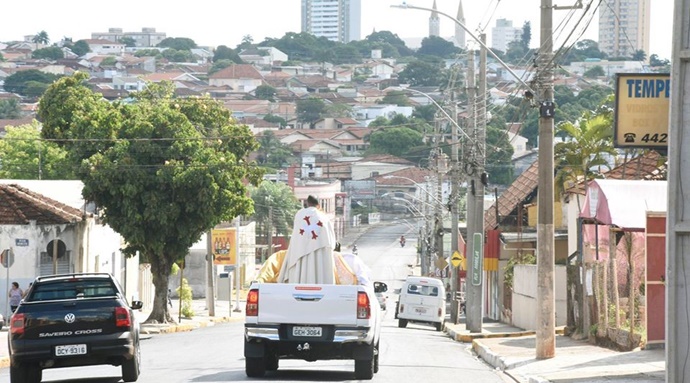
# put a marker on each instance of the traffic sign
(477, 258)
(456, 259)
(7, 258)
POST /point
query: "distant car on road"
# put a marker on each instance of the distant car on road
(380, 290)
(74, 320)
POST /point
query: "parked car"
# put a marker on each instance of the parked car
(2, 321)
(380, 290)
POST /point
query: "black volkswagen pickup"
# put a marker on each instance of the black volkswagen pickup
(73, 320)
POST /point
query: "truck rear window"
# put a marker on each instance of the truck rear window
(422, 290)
(71, 289)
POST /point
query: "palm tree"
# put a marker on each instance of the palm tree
(272, 152)
(588, 145)
(41, 38)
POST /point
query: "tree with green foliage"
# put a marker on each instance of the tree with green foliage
(395, 141)
(275, 119)
(421, 73)
(587, 149)
(278, 197)
(10, 109)
(338, 110)
(108, 61)
(594, 72)
(310, 110)
(151, 52)
(583, 49)
(41, 38)
(301, 46)
(177, 56)
(272, 153)
(28, 82)
(499, 152)
(227, 54)
(395, 97)
(437, 46)
(163, 170)
(128, 41)
(387, 38)
(265, 92)
(219, 66)
(178, 43)
(654, 61)
(48, 53)
(639, 55)
(247, 42)
(425, 112)
(526, 36)
(24, 155)
(80, 48)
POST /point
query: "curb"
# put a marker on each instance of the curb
(152, 329)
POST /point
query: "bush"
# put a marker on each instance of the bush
(185, 293)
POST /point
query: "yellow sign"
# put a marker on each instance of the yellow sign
(641, 112)
(223, 246)
(457, 259)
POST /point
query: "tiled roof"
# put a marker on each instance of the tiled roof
(16, 122)
(238, 71)
(399, 177)
(523, 186)
(20, 206)
(387, 158)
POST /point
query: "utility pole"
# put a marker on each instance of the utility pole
(546, 315)
(454, 216)
(677, 228)
(210, 301)
(270, 229)
(475, 207)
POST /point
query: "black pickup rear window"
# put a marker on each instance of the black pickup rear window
(71, 289)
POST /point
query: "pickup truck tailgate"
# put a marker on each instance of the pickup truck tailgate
(308, 304)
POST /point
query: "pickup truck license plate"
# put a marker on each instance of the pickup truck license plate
(306, 331)
(70, 349)
(420, 310)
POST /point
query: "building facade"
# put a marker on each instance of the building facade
(337, 20)
(148, 37)
(434, 22)
(503, 34)
(624, 27)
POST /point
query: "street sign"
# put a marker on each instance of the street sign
(477, 258)
(21, 242)
(7, 258)
(456, 259)
(642, 106)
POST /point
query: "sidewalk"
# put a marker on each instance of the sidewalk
(513, 351)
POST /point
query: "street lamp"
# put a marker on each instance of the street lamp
(417, 187)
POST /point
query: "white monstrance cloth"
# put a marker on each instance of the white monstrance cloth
(309, 256)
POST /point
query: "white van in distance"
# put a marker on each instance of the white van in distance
(422, 300)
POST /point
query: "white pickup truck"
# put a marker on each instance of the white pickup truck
(311, 322)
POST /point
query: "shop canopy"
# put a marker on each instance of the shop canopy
(623, 203)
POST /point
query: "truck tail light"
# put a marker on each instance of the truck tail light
(439, 312)
(252, 308)
(17, 324)
(363, 306)
(122, 318)
(402, 308)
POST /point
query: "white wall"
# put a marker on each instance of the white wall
(525, 305)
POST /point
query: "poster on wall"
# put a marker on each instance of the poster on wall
(223, 245)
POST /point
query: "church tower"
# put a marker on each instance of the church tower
(434, 23)
(460, 31)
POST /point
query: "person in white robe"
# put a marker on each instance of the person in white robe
(309, 257)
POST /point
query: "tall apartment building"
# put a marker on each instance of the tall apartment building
(503, 34)
(148, 37)
(624, 27)
(337, 20)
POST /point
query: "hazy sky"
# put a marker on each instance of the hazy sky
(213, 22)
